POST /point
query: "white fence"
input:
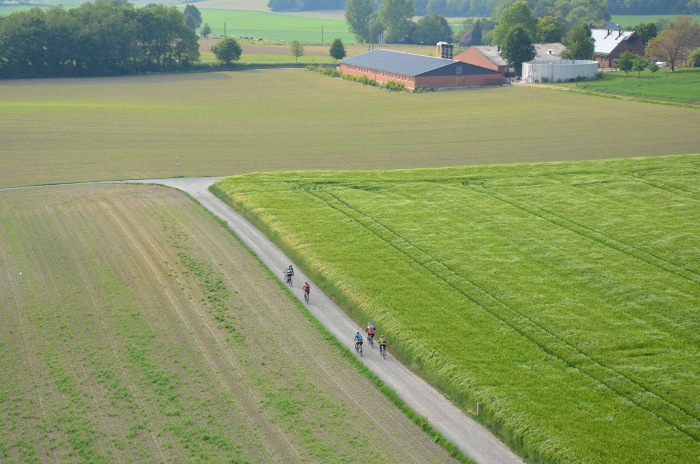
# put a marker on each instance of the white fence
(553, 70)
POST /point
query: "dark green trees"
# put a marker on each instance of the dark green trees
(580, 44)
(517, 47)
(432, 29)
(227, 50)
(337, 50)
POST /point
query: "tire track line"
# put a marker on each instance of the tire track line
(174, 319)
(88, 230)
(28, 365)
(138, 235)
(72, 346)
(522, 327)
(591, 234)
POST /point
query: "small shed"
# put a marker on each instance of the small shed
(555, 70)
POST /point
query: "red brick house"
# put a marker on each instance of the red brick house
(610, 44)
(418, 70)
(489, 56)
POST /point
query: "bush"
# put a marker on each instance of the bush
(545, 80)
(395, 86)
(558, 81)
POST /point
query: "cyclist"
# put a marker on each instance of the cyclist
(358, 341)
(289, 273)
(370, 332)
(290, 268)
(307, 289)
(382, 344)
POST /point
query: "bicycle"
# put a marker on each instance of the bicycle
(382, 351)
(288, 279)
(370, 339)
(358, 348)
(306, 297)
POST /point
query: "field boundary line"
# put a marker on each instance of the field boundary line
(521, 331)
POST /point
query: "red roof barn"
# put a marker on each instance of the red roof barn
(418, 70)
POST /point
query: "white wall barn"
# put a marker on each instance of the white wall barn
(534, 71)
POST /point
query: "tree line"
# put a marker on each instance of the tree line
(96, 39)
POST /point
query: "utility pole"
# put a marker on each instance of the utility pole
(321, 35)
(177, 166)
(369, 42)
(224, 29)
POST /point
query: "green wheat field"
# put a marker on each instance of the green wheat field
(563, 296)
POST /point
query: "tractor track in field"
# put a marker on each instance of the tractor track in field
(472, 438)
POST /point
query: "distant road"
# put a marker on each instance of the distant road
(471, 437)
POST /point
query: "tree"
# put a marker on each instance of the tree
(206, 30)
(337, 50)
(517, 14)
(580, 45)
(395, 16)
(653, 67)
(550, 29)
(476, 33)
(432, 29)
(297, 50)
(190, 21)
(675, 41)
(227, 50)
(639, 64)
(517, 47)
(694, 57)
(358, 14)
(500, 7)
(646, 31)
(626, 62)
(194, 12)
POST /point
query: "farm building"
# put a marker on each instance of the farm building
(418, 70)
(489, 56)
(558, 70)
(610, 44)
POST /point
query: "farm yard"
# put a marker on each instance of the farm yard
(562, 296)
(136, 329)
(72, 130)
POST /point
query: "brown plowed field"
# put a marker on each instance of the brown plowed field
(134, 328)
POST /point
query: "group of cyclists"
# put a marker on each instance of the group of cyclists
(289, 273)
(370, 338)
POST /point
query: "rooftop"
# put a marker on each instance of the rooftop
(606, 40)
(491, 52)
(407, 64)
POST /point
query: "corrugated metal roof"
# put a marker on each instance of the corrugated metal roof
(606, 42)
(491, 52)
(407, 64)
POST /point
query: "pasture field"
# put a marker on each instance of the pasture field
(72, 130)
(276, 26)
(633, 20)
(562, 296)
(682, 85)
(135, 328)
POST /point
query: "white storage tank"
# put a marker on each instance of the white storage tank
(553, 70)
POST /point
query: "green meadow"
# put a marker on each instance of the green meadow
(682, 85)
(562, 296)
(276, 26)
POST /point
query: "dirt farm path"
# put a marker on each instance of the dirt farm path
(471, 437)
